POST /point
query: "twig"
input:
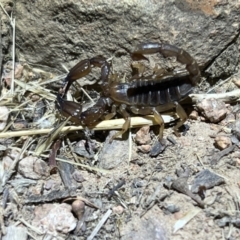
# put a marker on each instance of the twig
(130, 147)
(227, 97)
(31, 226)
(13, 55)
(5, 12)
(218, 85)
(217, 156)
(100, 224)
(104, 125)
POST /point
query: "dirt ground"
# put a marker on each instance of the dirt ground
(188, 190)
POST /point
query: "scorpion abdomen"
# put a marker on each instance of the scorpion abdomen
(144, 92)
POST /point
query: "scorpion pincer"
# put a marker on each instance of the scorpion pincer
(140, 96)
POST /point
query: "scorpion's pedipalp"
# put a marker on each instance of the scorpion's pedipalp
(95, 113)
(69, 108)
(84, 67)
(81, 69)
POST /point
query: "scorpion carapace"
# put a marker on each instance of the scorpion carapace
(140, 95)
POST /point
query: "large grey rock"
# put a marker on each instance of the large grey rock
(54, 32)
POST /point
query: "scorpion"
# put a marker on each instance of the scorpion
(141, 95)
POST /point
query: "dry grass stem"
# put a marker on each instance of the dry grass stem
(100, 224)
(52, 136)
(13, 56)
(31, 226)
(104, 125)
(36, 88)
(227, 97)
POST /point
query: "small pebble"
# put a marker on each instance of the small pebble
(118, 209)
(222, 142)
(143, 136)
(193, 115)
(206, 179)
(237, 82)
(158, 148)
(214, 110)
(144, 148)
(78, 208)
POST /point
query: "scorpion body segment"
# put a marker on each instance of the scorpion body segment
(151, 92)
(141, 96)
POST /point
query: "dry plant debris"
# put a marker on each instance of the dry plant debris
(135, 176)
(84, 165)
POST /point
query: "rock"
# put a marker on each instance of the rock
(113, 154)
(95, 28)
(78, 208)
(193, 115)
(118, 210)
(158, 148)
(33, 168)
(144, 148)
(206, 179)
(214, 110)
(150, 226)
(143, 136)
(15, 233)
(54, 218)
(222, 142)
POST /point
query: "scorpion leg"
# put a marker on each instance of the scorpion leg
(112, 114)
(160, 121)
(182, 115)
(126, 125)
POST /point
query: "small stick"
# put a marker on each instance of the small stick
(13, 55)
(227, 97)
(104, 125)
(33, 228)
(115, 188)
(100, 224)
